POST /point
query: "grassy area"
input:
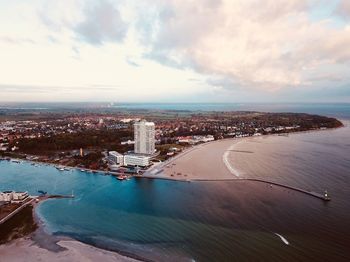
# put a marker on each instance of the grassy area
(19, 225)
(7, 209)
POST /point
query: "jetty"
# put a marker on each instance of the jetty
(324, 197)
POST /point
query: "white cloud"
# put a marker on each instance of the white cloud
(102, 23)
(344, 9)
(264, 44)
(151, 49)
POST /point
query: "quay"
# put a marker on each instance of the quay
(324, 197)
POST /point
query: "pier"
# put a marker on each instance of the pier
(323, 197)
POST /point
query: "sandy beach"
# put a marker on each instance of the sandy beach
(204, 161)
(25, 249)
(207, 161)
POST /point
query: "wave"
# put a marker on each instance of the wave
(232, 170)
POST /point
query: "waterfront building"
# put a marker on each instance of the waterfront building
(116, 158)
(136, 160)
(195, 139)
(11, 196)
(144, 134)
(6, 196)
(19, 196)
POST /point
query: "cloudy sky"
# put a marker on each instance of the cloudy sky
(175, 51)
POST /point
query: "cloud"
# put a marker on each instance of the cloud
(131, 62)
(102, 23)
(344, 9)
(30, 89)
(94, 22)
(16, 40)
(261, 44)
(225, 83)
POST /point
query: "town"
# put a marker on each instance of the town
(123, 142)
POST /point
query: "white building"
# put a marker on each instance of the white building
(136, 160)
(196, 139)
(144, 134)
(129, 142)
(116, 158)
(11, 196)
(6, 196)
(19, 196)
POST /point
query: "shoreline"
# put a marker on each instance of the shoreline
(170, 160)
(35, 242)
(48, 247)
(159, 172)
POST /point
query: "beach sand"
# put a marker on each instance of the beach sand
(204, 161)
(25, 249)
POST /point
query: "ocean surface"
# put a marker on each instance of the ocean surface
(211, 221)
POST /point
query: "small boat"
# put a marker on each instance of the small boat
(82, 170)
(121, 177)
(42, 192)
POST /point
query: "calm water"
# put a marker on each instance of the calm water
(210, 221)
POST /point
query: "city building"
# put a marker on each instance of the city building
(144, 134)
(11, 196)
(129, 142)
(115, 158)
(195, 139)
(136, 160)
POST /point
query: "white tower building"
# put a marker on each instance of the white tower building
(144, 135)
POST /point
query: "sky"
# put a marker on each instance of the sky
(175, 51)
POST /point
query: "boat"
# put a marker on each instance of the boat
(42, 192)
(82, 170)
(122, 177)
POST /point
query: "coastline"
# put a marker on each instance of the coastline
(148, 175)
(53, 248)
(43, 246)
(223, 170)
(170, 160)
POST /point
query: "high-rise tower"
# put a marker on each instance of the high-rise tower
(144, 135)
